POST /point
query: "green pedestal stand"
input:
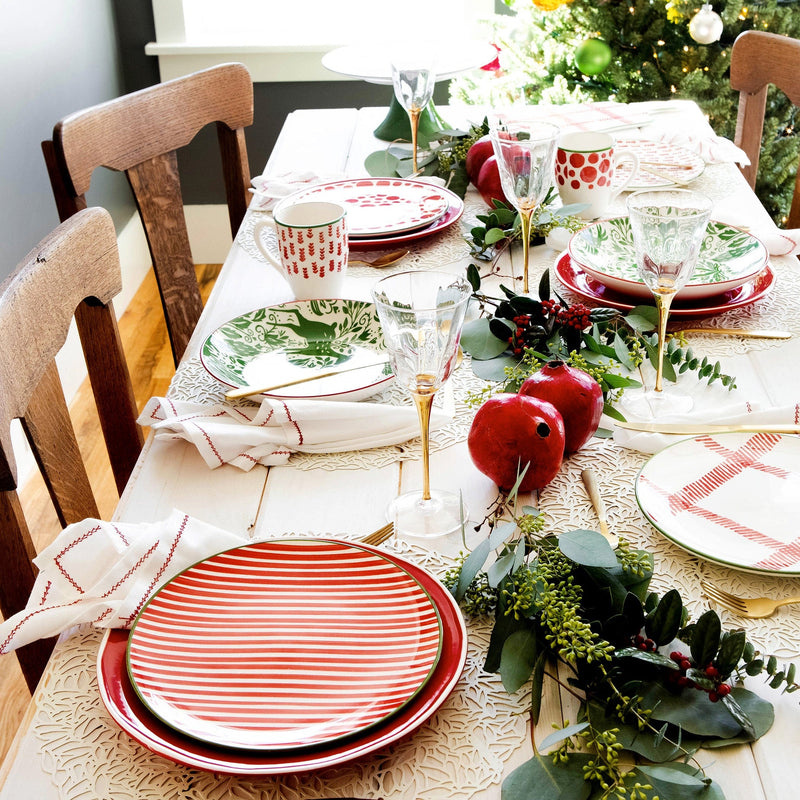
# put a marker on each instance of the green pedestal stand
(396, 125)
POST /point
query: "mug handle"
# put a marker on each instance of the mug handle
(257, 228)
(621, 156)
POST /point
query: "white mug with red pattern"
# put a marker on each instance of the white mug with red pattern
(585, 166)
(312, 247)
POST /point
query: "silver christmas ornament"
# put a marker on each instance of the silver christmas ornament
(705, 27)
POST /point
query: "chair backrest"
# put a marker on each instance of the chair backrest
(758, 60)
(139, 134)
(72, 273)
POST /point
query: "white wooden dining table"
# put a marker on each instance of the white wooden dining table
(70, 748)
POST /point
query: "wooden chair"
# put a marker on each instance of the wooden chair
(139, 134)
(758, 60)
(74, 272)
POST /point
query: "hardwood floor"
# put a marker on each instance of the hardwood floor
(144, 338)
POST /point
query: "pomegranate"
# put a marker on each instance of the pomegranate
(510, 431)
(577, 396)
(476, 155)
(488, 183)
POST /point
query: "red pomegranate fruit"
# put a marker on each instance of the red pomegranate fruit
(510, 431)
(488, 183)
(577, 396)
(476, 156)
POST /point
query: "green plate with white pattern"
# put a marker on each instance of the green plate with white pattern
(728, 258)
(294, 340)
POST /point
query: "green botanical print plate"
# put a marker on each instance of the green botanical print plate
(294, 340)
(728, 258)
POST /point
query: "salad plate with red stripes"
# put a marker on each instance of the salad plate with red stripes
(285, 644)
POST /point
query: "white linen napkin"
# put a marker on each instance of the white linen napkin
(735, 412)
(268, 434)
(269, 189)
(103, 572)
(711, 148)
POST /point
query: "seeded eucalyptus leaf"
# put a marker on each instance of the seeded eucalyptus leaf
(588, 548)
(505, 624)
(537, 685)
(706, 638)
(478, 340)
(500, 533)
(692, 711)
(518, 659)
(664, 622)
(472, 565)
(561, 734)
(679, 781)
(759, 712)
(500, 569)
(493, 369)
(381, 164)
(541, 779)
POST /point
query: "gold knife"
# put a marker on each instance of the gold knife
(246, 391)
(693, 429)
(751, 333)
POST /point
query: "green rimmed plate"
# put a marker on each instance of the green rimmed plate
(729, 257)
(294, 340)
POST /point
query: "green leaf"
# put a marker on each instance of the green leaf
(499, 569)
(494, 235)
(631, 738)
(639, 323)
(474, 277)
(544, 285)
(650, 313)
(381, 164)
(760, 713)
(472, 565)
(692, 711)
(504, 626)
(739, 714)
(588, 548)
(623, 354)
(679, 781)
(478, 340)
(500, 533)
(665, 621)
(540, 779)
(493, 369)
(646, 655)
(705, 638)
(730, 652)
(563, 733)
(537, 684)
(518, 658)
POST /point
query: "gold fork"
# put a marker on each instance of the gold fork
(754, 607)
(380, 535)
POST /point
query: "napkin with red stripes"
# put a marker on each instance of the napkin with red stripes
(268, 434)
(103, 572)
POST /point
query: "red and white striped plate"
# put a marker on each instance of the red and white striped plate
(284, 644)
(733, 498)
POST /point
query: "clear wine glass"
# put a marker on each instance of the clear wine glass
(668, 227)
(525, 150)
(413, 78)
(421, 313)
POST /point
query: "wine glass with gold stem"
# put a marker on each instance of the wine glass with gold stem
(421, 313)
(525, 150)
(668, 227)
(413, 78)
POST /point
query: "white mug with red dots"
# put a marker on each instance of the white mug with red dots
(585, 166)
(312, 247)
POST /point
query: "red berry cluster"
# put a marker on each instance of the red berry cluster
(576, 316)
(715, 694)
(517, 338)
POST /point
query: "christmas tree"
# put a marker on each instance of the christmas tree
(633, 50)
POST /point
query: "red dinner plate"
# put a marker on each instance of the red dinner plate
(577, 281)
(131, 714)
(284, 643)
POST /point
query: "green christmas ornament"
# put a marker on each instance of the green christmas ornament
(592, 56)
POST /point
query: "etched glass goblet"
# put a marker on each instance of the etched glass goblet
(421, 313)
(413, 79)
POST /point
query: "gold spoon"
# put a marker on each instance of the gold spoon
(386, 260)
(751, 333)
(593, 490)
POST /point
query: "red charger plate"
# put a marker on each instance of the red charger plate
(132, 716)
(577, 281)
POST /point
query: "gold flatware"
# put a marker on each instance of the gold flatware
(593, 490)
(246, 391)
(380, 535)
(668, 164)
(753, 607)
(385, 260)
(693, 429)
(752, 333)
(663, 175)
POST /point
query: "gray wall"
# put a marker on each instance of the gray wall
(55, 57)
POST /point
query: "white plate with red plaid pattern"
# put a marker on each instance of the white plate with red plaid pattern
(732, 498)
